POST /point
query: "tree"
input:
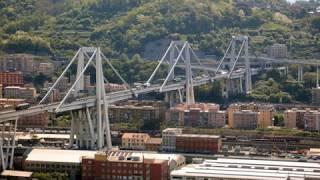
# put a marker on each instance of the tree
(315, 23)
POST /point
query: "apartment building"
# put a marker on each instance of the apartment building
(28, 93)
(264, 112)
(35, 120)
(11, 78)
(134, 141)
(293, 118)
(148, 114)
(196, 115)
(306, 119)
(278, 51)
(245, 119)
(45, 68)
(312, 121)
(17, 62)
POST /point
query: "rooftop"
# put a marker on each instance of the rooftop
(134, 135)
(250, 169)
(198, 135)
(154, 141)
(136, 156)
(13, 173)
(54, 155)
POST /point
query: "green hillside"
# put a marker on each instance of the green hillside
(58, 27)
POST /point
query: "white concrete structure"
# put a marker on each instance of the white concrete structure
(247, 169)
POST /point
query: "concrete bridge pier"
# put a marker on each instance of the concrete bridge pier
(174, 97)
(232, 87)
(300, 73)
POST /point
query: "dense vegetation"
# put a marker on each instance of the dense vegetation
(58, 27)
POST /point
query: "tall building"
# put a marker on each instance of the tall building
(196, 115)
(134, 141)
(264, 112)
(17, 62)
(312, 121)
(130, 165)
(217, 119)
(245, 119)
(315, 96)
(245, 169)
(11, 79)
(278, 51)
(148, 114)
(293, 118)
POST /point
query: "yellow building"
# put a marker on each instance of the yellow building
(265, 113)
(134, 141)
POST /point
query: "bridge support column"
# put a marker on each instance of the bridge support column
(91, 129)
(80, 85)
(317, 77)
(241, 85)
(174, 97)
(247, 66)
(8, 143)
(233, 53)
(82, 127)
(300, 73)
(232, 87)
(189, 81)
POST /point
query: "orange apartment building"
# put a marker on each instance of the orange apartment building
(11, 79)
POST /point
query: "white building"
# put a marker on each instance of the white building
(228, 169)
(169, 139)
(54, 160)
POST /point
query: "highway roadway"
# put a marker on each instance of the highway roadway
(113, 97)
